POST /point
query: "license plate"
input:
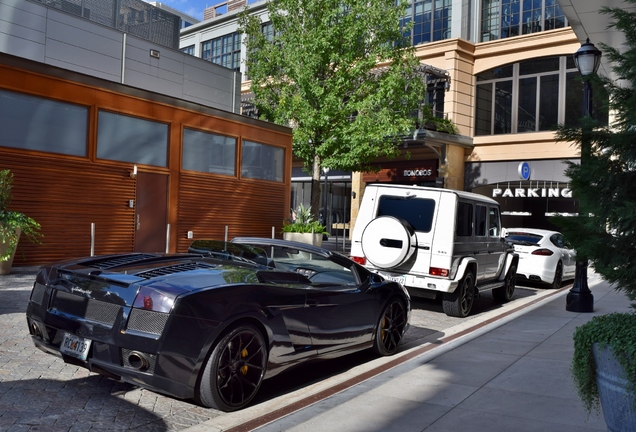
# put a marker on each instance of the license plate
(75, 346)
(399, 278)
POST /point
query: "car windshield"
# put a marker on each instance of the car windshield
(229, 251)
(523, 237)
(331, 269)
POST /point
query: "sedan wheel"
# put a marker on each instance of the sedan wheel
(234, 372)
(558, 276)
(390, 328)
(460, 302)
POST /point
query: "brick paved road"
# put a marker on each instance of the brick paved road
(38, 392)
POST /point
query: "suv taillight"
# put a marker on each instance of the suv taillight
(434, 271)
(359, 260)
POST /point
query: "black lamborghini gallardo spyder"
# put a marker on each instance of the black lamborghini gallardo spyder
(211, 324)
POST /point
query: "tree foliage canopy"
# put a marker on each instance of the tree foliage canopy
(318, 73)
(605, 181)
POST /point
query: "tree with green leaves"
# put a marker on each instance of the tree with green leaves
(605, 181)
(341, 74)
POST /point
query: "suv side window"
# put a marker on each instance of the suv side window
(494, 228)
(480, 220)
(416, 211)
(464, 220)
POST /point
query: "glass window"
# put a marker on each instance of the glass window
(534, 86)
(527, 114)
(224, 51)
(262, 161)
(480, 220)
(494, 228)
(188, 50)
(130, 139)
(418, 212)
(483, 117)
(431, 20)
(503, 107)
(508, 18)
(34, 123)
(207, 152)
(548, 102)
(464, 220)
(539, 65)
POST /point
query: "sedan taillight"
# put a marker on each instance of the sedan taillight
(542, 252)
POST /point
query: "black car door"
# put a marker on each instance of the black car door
(340, 314)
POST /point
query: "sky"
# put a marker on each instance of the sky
(194, 8)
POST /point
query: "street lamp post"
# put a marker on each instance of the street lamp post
(587, 60)
(326, 171)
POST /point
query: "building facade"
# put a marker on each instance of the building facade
(115, 149)
(511, 81)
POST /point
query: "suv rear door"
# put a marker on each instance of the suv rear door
(416, 211)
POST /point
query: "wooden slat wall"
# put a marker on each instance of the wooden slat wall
(65, 197)
(248, 208)
(65, 194)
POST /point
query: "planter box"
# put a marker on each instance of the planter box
(5, 266)
(309, 238)
(616, 401)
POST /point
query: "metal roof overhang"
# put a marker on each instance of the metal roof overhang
(586, 21)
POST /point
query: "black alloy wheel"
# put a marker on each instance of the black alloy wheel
(558, 276)
(504, 294)
(234, 372)
(460, 302)
(390, 328)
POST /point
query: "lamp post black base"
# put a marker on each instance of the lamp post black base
(579, 302)
(580, 298)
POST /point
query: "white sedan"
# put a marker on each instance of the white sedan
(544, 256)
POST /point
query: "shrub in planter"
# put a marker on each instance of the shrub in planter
(615, 330)
(13, 223)
(304, 228)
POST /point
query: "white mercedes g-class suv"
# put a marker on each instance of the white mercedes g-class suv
(435, 241)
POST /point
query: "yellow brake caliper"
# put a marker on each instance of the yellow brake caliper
(244, 367)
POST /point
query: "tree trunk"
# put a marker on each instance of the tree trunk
(315, 188)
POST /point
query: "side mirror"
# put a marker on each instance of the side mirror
(376, 278)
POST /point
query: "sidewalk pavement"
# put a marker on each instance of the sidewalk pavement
(511, 374)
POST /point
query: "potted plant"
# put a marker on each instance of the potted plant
(12, 224)
(604, 369)
(303, 227)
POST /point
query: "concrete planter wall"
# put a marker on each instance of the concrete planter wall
(5, 266)
(616, 401)
(309, 238)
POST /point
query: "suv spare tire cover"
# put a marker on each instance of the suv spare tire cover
(388, 242)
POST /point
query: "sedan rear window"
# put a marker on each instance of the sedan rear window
(416, 211)
(521, 237)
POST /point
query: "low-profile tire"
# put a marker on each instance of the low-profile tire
(234, 371)
(558, 276)
(460, 302)
(504, 294)
(390, 328)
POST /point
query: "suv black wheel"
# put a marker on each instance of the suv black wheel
(504, 294)
(460, 302)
